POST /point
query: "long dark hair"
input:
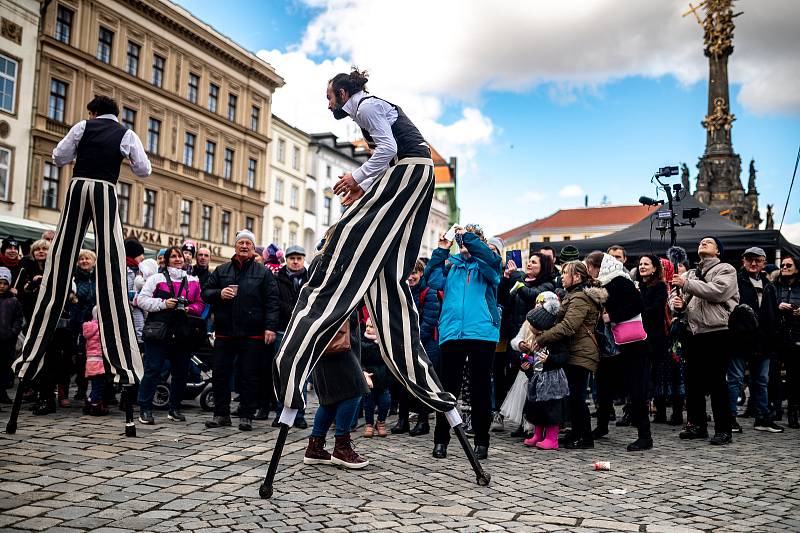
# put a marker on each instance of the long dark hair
(658, 275)
(352, 83)
(794, 278)
(545, 266)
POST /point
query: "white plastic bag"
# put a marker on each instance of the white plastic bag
(515, 399)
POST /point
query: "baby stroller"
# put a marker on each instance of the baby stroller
(198, 382)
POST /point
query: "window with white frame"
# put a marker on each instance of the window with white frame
(294, 197)
(296, 158)
(278, 198)
(58, 100)
(8, 83)
(5, 172)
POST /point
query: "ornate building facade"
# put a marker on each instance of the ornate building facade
(719, 183)
(200, 103)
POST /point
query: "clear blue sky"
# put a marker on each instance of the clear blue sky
(608, 141)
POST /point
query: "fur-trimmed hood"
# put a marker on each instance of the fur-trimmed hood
(598, 295)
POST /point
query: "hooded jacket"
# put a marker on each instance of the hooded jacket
(575, 324)
(469, 309)
(709, 303)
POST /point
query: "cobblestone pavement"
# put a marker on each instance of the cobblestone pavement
(66, 472)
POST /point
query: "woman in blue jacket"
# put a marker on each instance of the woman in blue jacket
(469, 327)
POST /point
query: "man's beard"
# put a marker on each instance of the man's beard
(339, 113)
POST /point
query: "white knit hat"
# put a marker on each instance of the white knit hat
(246, 234)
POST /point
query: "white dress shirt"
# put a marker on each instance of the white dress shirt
(376, 116)
(130, 147)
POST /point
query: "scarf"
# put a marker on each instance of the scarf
(296, 277)
(610, 268)
(132, 263)
(11, 263)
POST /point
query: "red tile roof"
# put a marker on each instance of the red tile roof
(583, 217)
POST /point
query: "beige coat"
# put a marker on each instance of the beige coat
(575, 324)
(709, 303)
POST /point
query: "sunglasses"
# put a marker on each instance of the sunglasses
(787, 265)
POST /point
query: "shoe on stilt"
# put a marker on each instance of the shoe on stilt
(538, 435)
(344, 453)
(550, 441)
(315, 452)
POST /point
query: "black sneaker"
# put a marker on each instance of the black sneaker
(300, 422)
(720, 439)
(218, 422)
(735, 427)
(245, 424)
(767, 425)
(146, 417)
(694, 432)
(176, 416)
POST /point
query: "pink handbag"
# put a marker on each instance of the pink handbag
(629, 331)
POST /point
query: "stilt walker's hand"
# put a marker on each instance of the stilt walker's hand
(352, 196)
(345, 184)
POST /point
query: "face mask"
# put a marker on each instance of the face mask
(339, 113)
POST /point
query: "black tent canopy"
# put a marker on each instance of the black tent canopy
(643, 237)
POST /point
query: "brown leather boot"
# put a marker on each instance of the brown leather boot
(315, 453)
(63, 396)
(369, 431)
(344, 454)
(381, 427)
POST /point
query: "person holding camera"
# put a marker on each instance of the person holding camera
(246, 305)
(469, 327)
(168, 298)
(709, 293)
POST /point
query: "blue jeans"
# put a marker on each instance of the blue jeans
(759, 379)
(98, 385)
(383, 400)
(343, 412)
(156, 353)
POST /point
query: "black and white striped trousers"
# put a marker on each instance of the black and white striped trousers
(88, 200)
(369, 255)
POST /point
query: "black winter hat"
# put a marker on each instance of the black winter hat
(8, 242)
(720, 247)
(133, 248)
(569, 253)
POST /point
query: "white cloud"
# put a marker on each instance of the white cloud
(791, 232)
(510, 45)
(571, 191)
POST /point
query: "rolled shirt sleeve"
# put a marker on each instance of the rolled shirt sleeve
(132, 148)
(371, 117)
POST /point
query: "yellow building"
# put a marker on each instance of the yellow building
(199, 102)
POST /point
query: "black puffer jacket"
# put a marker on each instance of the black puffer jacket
(289, 294)
(516, 306)
(255, 308)
(11, 317)
(764, 342)
(788, 291)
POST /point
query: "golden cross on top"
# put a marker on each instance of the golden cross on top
(693, 10)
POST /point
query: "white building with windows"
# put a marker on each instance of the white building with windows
(287, 198)
(18, 42)
(328, 159)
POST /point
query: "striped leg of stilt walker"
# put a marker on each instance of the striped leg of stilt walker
(88, 200)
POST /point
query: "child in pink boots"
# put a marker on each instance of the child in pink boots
(547, 388)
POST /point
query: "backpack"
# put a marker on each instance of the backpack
(422, 296)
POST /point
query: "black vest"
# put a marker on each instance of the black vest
(408, 138)
(98, 151)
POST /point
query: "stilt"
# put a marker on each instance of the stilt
(11, 426)
(127, 399)
(265, 491)
(482, 477)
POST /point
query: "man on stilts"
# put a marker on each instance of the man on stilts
(98, 147)
(368, 255)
